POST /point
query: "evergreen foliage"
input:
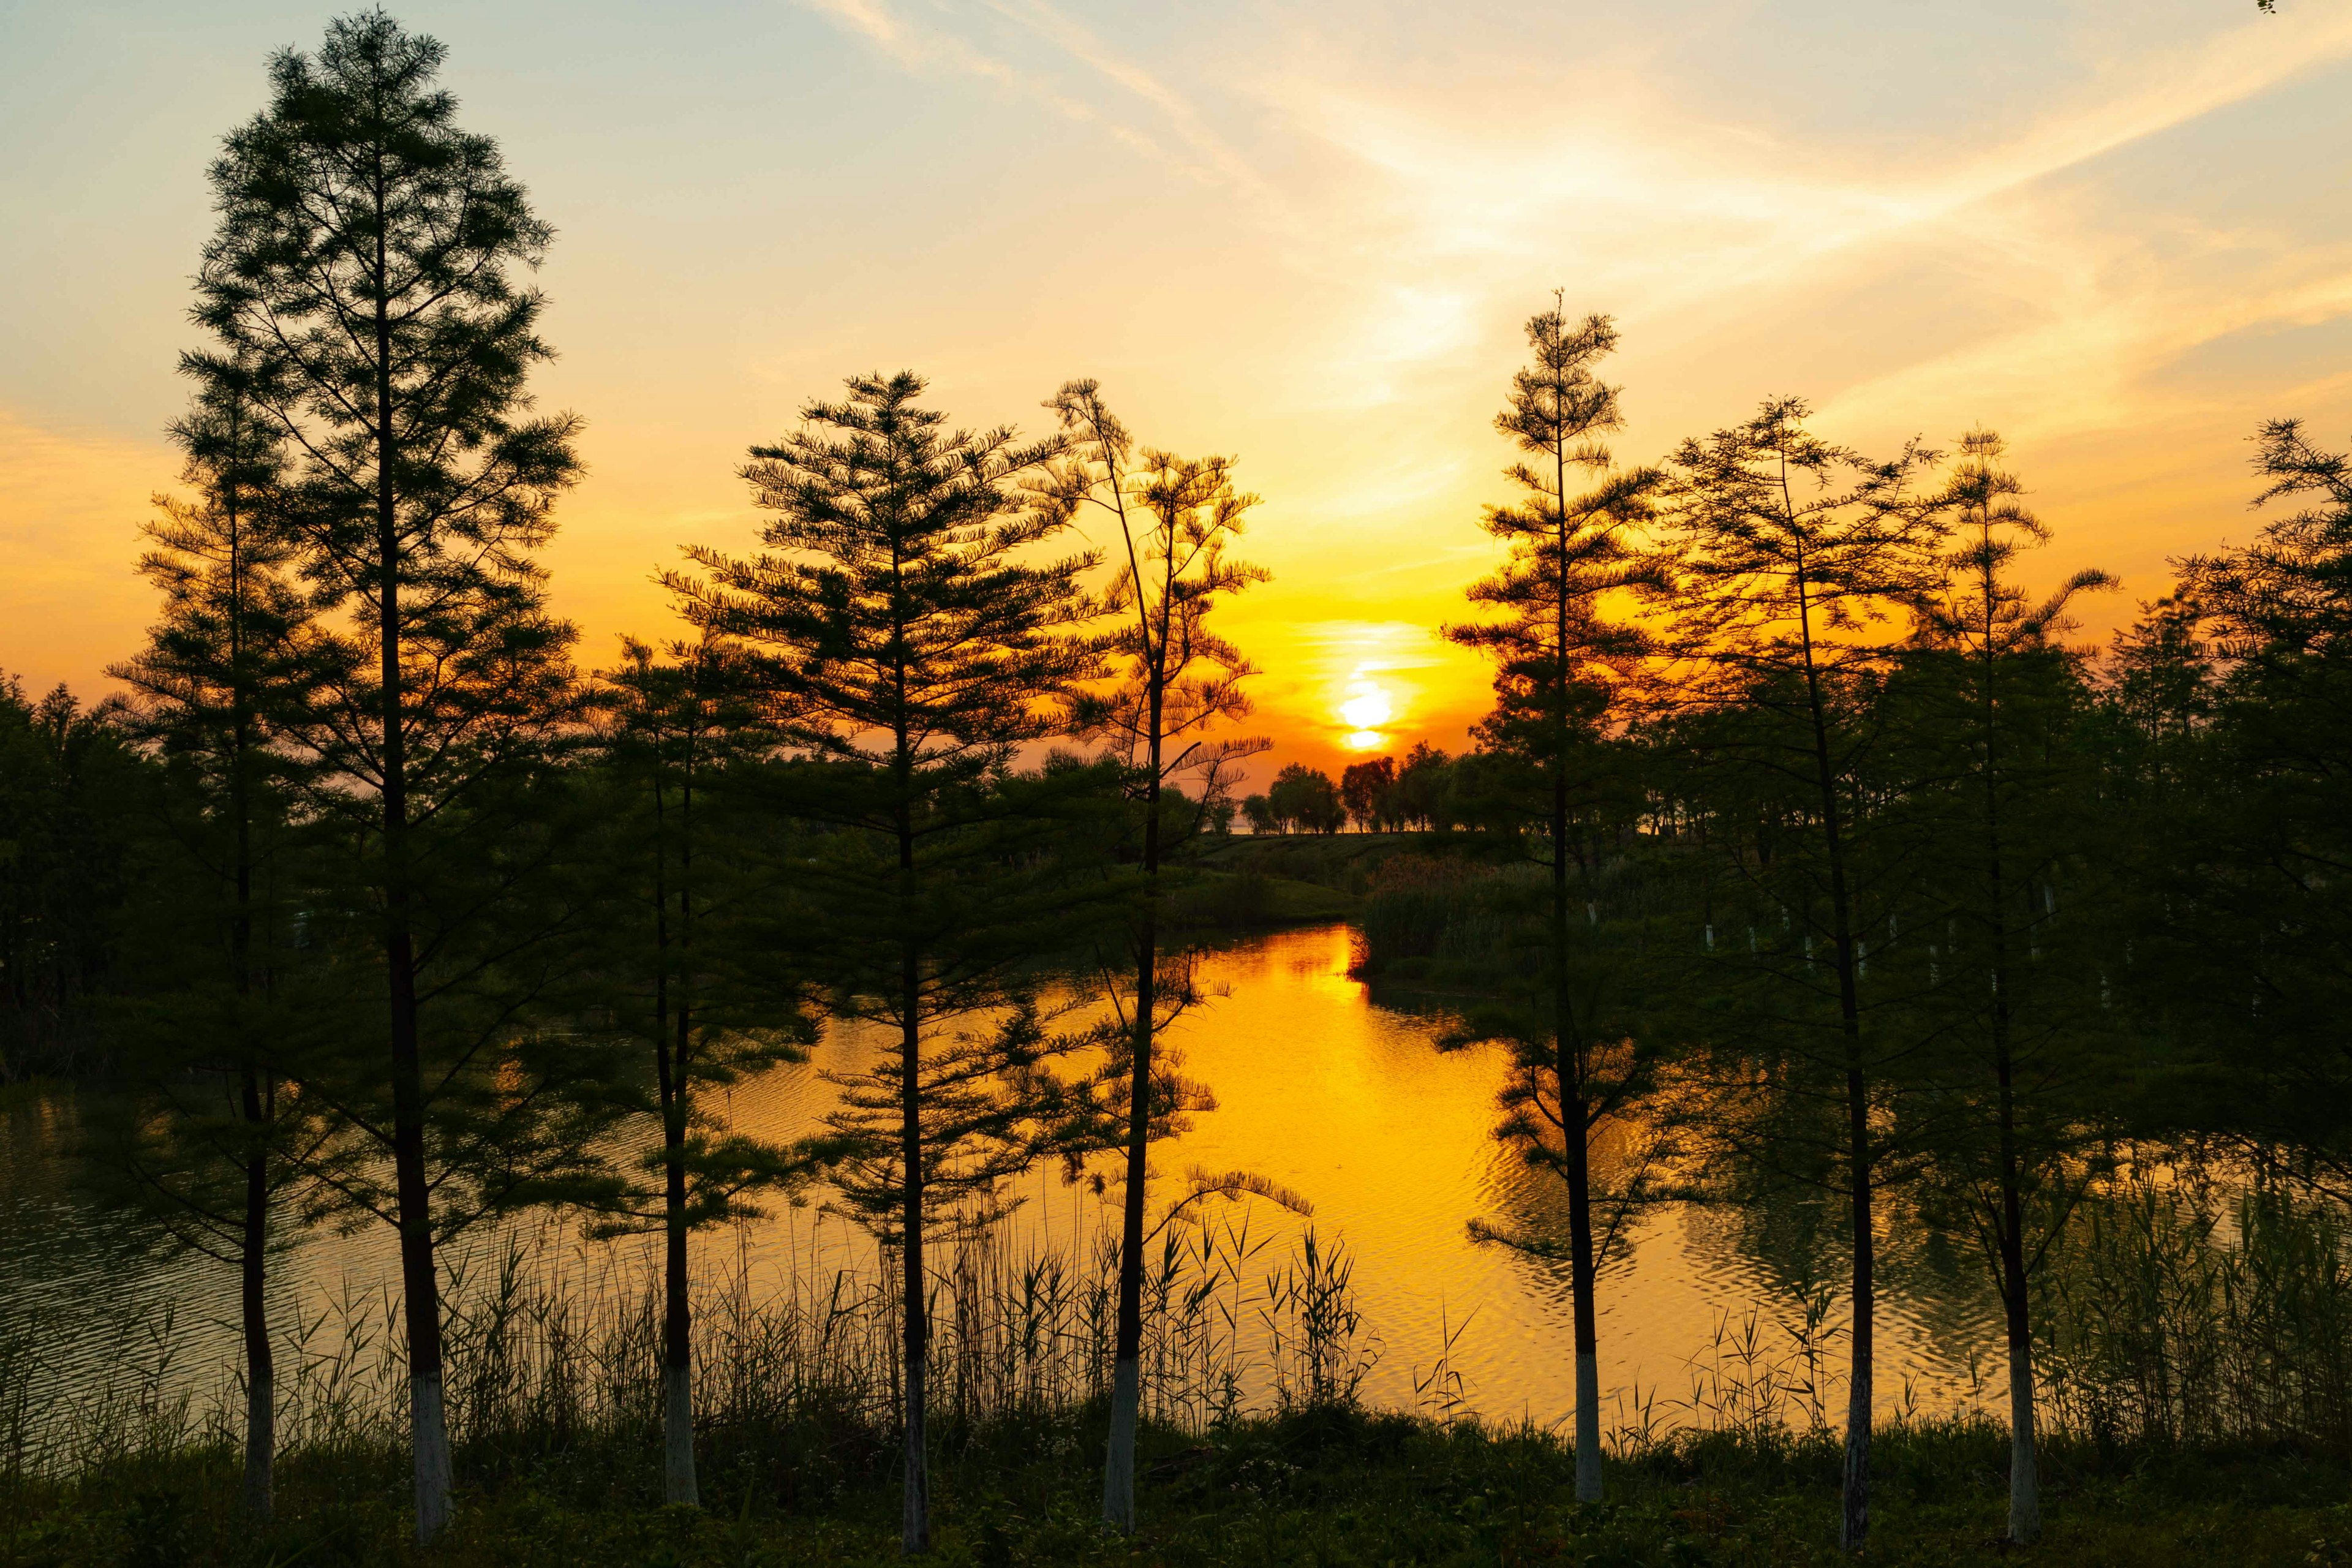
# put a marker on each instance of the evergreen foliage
(361, 286)
(911, 639)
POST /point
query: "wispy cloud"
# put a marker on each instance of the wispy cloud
(1197, 150)
(922, 48)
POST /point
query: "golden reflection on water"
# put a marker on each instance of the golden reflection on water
(1343, 1096)
(1321, 1085)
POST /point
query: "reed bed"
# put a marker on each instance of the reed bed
(2178, 1313)
(2173, 1315)
(550, 1349)
(1425, 919)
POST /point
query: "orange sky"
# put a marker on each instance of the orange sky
(1303, 234)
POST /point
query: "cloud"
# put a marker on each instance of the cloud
(920, 48)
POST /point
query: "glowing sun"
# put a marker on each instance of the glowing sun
(1366, 709)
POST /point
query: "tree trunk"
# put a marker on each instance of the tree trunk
(1581, 1270)
(1127, 1375)
(678, 1484)
(915, 1526)
(420, 1283)
(1575, 1140)
(1127, 1379)
(1855, 1517)
(2024, 1481)
(1576, 1122)
(671, 1066)
(260, 1365)
(2024, 1477)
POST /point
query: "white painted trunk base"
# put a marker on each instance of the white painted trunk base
(1587, 1429)
(2024, 1480)
(914, 1517)
(678, 1437)
(428, 1429)
(1119, 1462)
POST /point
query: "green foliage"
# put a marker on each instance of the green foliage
(909, 645)
(1315, 1486)
(1303, 800)
(73, 793)
(686, 957)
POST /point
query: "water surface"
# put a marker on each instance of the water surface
(1323, 1084)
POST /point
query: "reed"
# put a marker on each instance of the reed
(553, 1349)
(1426, 919)
(2178, 1315)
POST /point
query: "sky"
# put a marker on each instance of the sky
(1303, 235)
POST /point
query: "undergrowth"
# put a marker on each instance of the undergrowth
(1327, 1485)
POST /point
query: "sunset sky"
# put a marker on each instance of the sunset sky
(1307, 235)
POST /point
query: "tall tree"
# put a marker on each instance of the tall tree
(1367, 789)
(1795, 556)
(1174, 681)
(229, 669)
(673, 968)
(365, 259)
(2247, 942)
(1305, 799)
(2001, 693)
(913, 640)
(1562, 669)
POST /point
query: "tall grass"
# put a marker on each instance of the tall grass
(550, 1351)
(2175, 1315)
(1428, 919)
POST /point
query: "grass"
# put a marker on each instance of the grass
(1248, 898)
(1330, 1486)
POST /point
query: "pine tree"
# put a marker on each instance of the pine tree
(912, 639)
(1174, 681)
(1794, 556)
(364, 264)
(1999, 691)
(2247, 940)
(212, 1134)
(688, 892)
(1563, 670)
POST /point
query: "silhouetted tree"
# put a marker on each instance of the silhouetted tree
(364, 267)
(1995, 695)
(1365, 789)
(912, 643)
(1174, 681)
(1420, 796)
(1794, 552)
(213, 1133)
(2246, 941)
(1306, 799)
(680, 975)
(72, 790)
(1562, 669)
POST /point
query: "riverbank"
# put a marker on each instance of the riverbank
(1325, 1486)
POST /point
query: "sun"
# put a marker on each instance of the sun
(1367, 707)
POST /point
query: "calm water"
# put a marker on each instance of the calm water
(1329, 1088)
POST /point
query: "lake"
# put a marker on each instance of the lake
(1330, 1087)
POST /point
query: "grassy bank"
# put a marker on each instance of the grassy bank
(1330, 1486)
(1277, 878)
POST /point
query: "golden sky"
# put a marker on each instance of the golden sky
(2119, 231)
